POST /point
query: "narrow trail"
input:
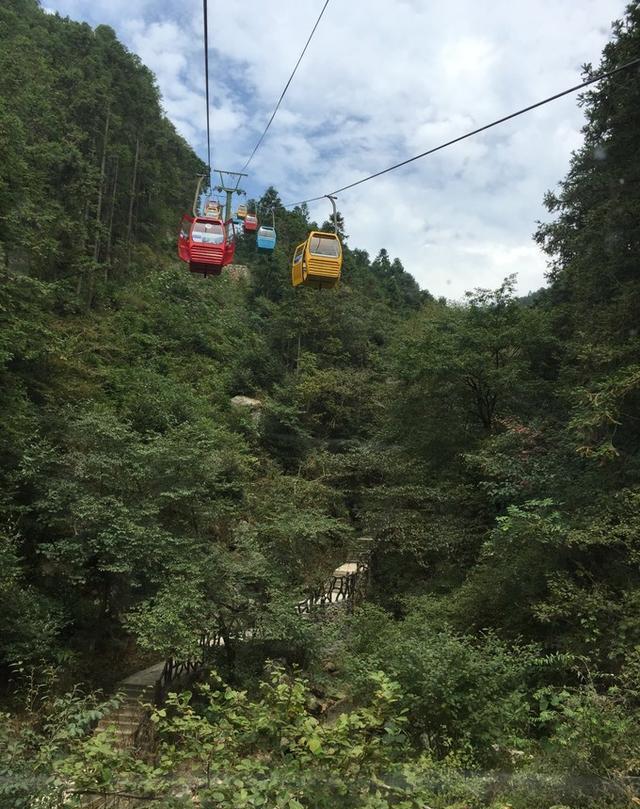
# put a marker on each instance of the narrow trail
(143, 686)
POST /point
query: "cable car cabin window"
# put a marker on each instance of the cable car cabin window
(297, 256)
(184, 230)
(321, 246)
(207, 233)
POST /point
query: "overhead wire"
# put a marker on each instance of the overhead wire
(206, 84)
(574, 89)
(286, 87)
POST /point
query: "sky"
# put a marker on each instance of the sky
(380, 82)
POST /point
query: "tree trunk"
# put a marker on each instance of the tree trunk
(132, 196)
(85, 226)
(103, 163)
(298, 353)
(5, 259)
(111, 215)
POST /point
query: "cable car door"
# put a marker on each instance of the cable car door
(183, 238)
(297, 272)
(230, 241)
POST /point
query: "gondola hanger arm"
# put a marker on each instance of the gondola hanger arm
(335, 212)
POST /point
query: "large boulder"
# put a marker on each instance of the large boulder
(253, 406)
(237, 271)
(246, 401)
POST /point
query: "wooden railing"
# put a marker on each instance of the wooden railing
(343, 589)
(177, 668)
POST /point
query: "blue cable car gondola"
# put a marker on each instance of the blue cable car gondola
(266, 238)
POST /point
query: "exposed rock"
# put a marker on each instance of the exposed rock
(237, 271)
(246, 401)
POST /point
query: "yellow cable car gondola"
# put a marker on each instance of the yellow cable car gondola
(242, 211)
(317, 262)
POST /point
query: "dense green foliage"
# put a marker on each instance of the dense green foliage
(490, 448)
(138, 502)
(89, 165)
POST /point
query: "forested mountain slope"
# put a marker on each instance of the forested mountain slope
(490, 449)
(88, 162)
(129, 480)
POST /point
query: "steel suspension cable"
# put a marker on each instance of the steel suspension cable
(574, 89)
(206, 84)
(286, 87)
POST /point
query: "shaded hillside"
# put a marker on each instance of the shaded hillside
(490, 448)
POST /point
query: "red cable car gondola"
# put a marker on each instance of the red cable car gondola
(251, 222)
(206, 244)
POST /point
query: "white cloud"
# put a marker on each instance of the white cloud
(379, 83)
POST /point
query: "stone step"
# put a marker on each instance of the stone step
(133, 699)
(128, 711)
(124, 721)
(119, 731)
(125, 730)
(111, 721)
(125, 734)
(94, 802)
(134, 690)
(131, 705)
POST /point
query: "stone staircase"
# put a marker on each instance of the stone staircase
(126, 720)
(137, 690)
(140, 688)
(125, 723)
